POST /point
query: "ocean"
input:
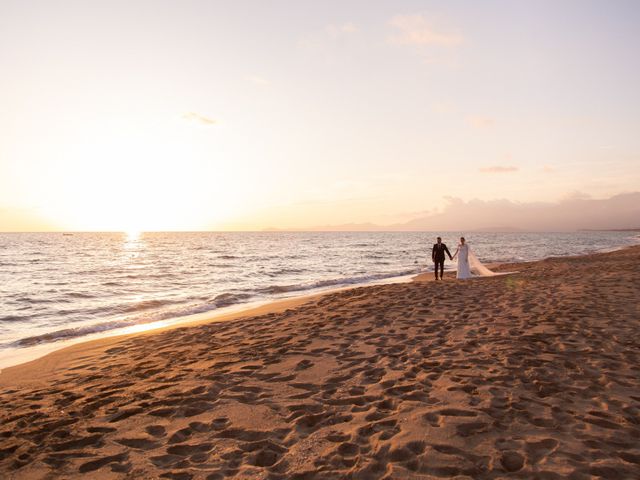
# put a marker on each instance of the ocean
(55, 287)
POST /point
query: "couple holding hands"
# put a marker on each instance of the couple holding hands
(467, 261)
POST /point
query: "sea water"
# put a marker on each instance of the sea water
(56, 286)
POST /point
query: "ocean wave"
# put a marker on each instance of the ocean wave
(78, 311)
(285, 271)
(219, 301)
(146, 276)
(69, 333)
(146, 305)
(33, 300)
(80, 295)
(15, 318)
(279, 289)
(375, 256)
(226, 299)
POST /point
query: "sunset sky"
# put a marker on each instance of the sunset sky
(190, 115)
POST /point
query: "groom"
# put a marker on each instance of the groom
(437, 255)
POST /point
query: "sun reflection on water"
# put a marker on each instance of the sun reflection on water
(132, 235)
(133, 243)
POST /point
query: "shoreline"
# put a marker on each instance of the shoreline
(56, 359)
(230, 313)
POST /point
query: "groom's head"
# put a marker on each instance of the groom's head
(439, 240)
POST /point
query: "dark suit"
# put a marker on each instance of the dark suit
(437, 255)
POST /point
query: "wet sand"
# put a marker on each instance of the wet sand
(532, 375)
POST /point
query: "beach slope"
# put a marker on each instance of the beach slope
(532, 375)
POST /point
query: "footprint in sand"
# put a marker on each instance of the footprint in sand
(156, 430)
(138, 443)
(536, 451)
(512, 461)
(101, 462)
(304, 364)
(434, 418)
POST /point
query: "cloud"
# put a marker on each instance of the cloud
(478, 121)
(574, 212)
(201, 119)
(499, 169)
(548, 169)
(322, 43)
(576, 195)
(336, 31)
(417, 29)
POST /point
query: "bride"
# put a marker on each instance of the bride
(468, 262)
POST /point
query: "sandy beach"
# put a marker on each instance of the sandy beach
(530, 375)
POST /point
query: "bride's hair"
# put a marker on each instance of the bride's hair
(462, 240)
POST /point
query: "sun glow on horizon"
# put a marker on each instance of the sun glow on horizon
(161, 178)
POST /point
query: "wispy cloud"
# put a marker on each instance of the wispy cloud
(322, 43)
(548, 169)
(478, 121)
(201, 119)
(418, 29)
(499, 169)
(347, 28)
(576, 195)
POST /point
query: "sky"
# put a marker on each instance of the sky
(245, 115)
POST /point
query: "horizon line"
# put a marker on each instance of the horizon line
(271, 230)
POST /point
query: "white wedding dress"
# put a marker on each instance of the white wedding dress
(469, 265)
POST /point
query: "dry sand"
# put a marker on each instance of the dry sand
(530, 376)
